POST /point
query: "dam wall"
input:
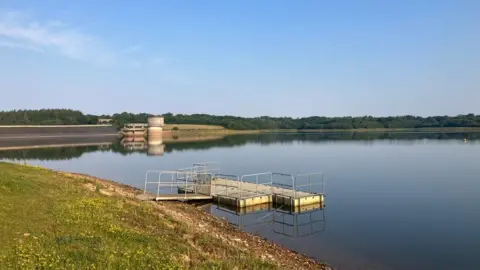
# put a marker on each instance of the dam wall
(17, 132)
(48, 142)
(14, 137)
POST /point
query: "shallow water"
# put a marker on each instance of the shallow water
(393, 201)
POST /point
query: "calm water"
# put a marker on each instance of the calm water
(394, 201)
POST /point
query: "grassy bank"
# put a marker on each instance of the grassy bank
(54, 220)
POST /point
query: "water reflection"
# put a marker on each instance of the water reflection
(62, 150)
(387, 192)
(153, 146)
(299, 224)
(292, 222)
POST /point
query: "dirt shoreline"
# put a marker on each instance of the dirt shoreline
(203, 222)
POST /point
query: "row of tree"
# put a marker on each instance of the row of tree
(73, 117)
(314, 122)
(46, 117)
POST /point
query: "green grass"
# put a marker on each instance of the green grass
(49, 220)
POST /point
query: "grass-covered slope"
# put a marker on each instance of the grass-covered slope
(53, 220)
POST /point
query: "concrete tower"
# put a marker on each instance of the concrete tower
(155, 140)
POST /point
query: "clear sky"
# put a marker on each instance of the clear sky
(247, 58)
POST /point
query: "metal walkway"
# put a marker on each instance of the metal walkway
(201, 182)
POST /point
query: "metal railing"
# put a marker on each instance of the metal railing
(261, 188)
(313, 183)
(198, 183)
(202, 179)
(195, 170)
(314, 179)
(149, 172)
(204, 166)
(285, 186)
(226, 178)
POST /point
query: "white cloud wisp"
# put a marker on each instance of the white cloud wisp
(19, 31)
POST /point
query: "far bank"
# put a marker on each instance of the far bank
(11, 132)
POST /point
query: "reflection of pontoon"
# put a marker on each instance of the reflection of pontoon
(299, 224)
(282, 219)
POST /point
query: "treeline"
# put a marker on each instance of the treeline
(72, 117)
(318, 122)
(288, 138)
(46, 117)
(315, 122)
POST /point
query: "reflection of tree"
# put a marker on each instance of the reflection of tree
(57, 153)
(284, 138)
(62, 153)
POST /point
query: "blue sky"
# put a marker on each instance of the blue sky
(247, 58)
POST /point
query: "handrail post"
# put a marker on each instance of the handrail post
(211, 185)
(294, 187)
(240, 187)
(146, 179)
(238, 179)
(310, 183)
(226, 187)
(323, 185)
(159, 182)
(271, 184)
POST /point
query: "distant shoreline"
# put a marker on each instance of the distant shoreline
(19, 132)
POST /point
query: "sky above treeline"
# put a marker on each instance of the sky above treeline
(245, 58)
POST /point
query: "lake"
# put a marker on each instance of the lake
(393, 200)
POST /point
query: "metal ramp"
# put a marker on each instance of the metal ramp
(201, 181)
